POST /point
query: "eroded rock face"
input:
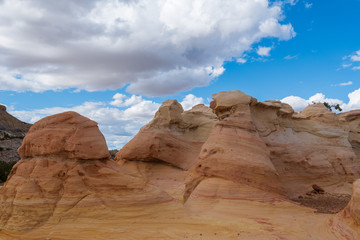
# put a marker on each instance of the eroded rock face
(262, 144)
(311, 147)
(173, 136)
(352, 210)
(12, 132)
(65, 165)
(226, 175)
(68, 135)
(234, 149)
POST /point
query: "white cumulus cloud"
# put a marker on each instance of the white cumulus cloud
(118, 125)
(355, 57)
(263, 51)
(121, 100)
(299, 103)
(155, 47)
(119, 120)
(191, 100)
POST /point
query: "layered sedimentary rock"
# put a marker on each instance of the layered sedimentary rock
(224, 172)
(234, 149)
(311, 147)
(263, 144)
(352, 211)
(266, 144)
(12, 131)
(173, 136)
(65, 165)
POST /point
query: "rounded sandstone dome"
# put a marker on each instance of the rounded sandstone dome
(67, 134)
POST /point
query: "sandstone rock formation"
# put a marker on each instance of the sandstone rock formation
(173, 136)
(65, 165)
(224, 172)
(352, 211)
(263, 144)
(12, 131)
(234, 149)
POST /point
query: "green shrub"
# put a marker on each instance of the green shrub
(331, 106)
(5, 169)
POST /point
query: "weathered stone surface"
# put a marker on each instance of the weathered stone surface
(352, 210)
(263, 144)
(65, 165)
(68, 134)
(234, 150)
(306, 148)
(12, 131)
(191, 174)
(173, 136)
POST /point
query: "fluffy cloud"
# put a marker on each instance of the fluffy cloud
(119, 120)
(263, 51)
(299, 103)
(121, 100)
(154, 47)
(354, 102)
(118, 126)
(241, 60)
(355, 57)
(190, 100)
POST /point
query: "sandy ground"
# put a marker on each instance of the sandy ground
(199, 218)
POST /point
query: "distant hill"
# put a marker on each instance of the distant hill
(12, 132)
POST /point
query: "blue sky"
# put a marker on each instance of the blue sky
(115, 64)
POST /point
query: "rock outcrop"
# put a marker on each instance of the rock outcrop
(352, 211)
(308, 148)
(66, 165)
(12, 131)
(174, 137)
(262, 144)
(224, 172)
(234, 149)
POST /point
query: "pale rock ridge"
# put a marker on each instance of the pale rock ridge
(173, 136)
(262, 144)
(66, 168)
(234, 149)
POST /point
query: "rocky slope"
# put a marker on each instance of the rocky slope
(224, 172)
(12, 131)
